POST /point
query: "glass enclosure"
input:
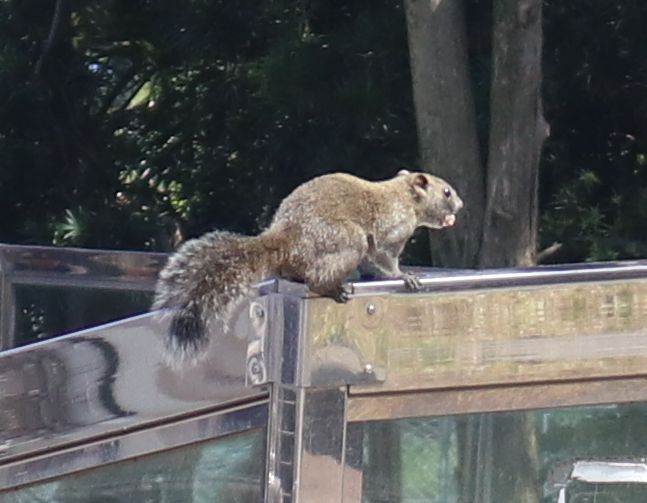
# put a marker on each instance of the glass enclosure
(51, 291)
(484, 387)
(478, 457)
(45, 311)
(228, 470)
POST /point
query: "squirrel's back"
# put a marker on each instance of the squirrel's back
(334, 197)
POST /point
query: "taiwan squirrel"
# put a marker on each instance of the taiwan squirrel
(322, 232)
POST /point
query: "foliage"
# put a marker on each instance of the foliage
(156, 120)
(143, 123)
(595, 163)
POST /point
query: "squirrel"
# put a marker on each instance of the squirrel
(322, 232)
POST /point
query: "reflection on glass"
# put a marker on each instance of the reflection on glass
(43, 312)
(604, 493)
(605, 480)
(540, 456)
(228, 470)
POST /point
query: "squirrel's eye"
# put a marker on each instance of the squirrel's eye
(447, 192)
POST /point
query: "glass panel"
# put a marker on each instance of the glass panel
(584, 452)
(228, 470)
(43, 312)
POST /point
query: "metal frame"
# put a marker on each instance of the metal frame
(390, 355)
(474, 400)
(79, 267)
(70, 267)
(114, 377)
(111, 393)
(313, 371)
(115, 448)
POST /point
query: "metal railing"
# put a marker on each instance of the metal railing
(327, 383)
(40, 268)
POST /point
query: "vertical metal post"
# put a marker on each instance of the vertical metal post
(7, 306)
(320, 445)
(307, 425)
(306, 448)
(353, 463)
(277, 351)
(281, 446)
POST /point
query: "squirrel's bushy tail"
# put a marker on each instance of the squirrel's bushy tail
(203, 281)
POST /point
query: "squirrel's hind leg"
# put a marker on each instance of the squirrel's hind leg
(326, 275)
(334, 260)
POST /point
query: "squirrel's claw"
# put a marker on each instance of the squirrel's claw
(411, 282)
(340, 294)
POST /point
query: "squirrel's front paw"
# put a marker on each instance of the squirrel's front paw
(340, 294)
(411, 282)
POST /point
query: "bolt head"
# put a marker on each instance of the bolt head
(259, 312)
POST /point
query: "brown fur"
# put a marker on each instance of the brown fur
(320, 233)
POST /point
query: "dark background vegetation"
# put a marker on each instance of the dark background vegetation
(136, 124)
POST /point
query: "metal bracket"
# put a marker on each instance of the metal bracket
(280, 350)
(256, 372)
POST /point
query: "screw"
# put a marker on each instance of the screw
(371, 309)
(368, 368)
(259, 312)
(255, 369)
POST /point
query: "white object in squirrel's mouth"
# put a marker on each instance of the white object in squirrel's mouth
(449, 220)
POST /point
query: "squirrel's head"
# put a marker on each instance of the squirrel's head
(436, 201)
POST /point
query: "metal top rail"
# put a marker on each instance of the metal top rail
(78, 267)
(69, 269)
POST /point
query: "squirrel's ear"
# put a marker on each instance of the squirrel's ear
(419, 184)
(404, 172)
(421, 181)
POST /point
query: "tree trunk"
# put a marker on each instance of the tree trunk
(498, 227)
(517, 134)
(446, 119)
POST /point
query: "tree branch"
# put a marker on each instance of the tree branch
(60, 16)
(548, 252)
